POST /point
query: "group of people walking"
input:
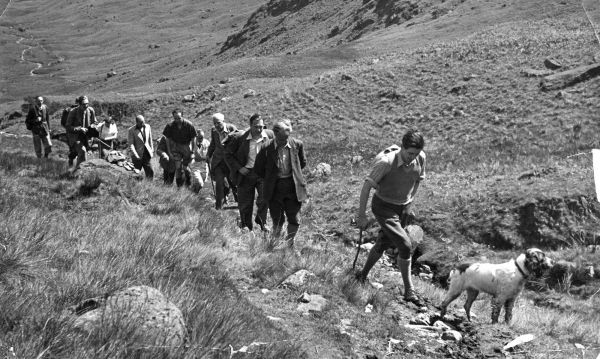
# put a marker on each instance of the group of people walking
(256, 165)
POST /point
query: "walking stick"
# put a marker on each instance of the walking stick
(358, 247)
(212, 183)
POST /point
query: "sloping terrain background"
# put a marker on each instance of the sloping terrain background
(353, 76)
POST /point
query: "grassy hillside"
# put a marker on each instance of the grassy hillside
(500, 172)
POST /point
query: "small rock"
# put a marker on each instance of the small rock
(322, 170)
(459, 89)
(422, 309)
(189, 98)
(316, 303)
(425, 268)
(375, 61)
(367, 246)
(274, 319)
(356, 160)
(535, 73)
(249, 93)
(552, 64)
(452, 335)
(376, 285)
(421, 319)
(459, 113)
(264, 291)
(111, 74)
(426, 276)
(368, 308)
(297, 279)
(346, 77)
(440, 324)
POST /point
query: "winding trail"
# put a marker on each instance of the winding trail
(38, 65)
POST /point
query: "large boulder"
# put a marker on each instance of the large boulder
(141, 314)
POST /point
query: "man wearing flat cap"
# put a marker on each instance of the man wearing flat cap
(78, 124)
(216, 153)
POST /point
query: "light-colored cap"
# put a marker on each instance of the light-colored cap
(219, 117)
(83, 99)
(139, 117)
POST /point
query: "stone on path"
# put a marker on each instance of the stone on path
(311, 303)
(297, 279)
(452, 335)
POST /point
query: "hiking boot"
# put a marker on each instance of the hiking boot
(412, 297)
(360, 278)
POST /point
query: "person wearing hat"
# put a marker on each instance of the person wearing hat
(38, 122)
(219, 170)
(78, 124)
(141, 147)
(280, 164)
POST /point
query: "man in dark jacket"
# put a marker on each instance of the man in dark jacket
(280, 164)
(38, 122)
(241, 151)
(216, 153)
(78, 124)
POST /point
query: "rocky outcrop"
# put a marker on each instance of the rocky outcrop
(569, 78)
(140, 314)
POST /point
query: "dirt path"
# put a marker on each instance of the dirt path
(38, 65)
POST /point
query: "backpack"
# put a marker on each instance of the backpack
(65, 116)
(382, 154)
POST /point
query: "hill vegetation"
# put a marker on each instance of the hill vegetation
(501, 170)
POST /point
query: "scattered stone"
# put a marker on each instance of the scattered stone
(425, 268)
(426, 276)
(356, 160)
(141, 312)
(369, 308)
(323, 170)
(442, 325)
(552, 64)
(459, 113)
(421, 319)
(297, 279)
(367, 246)
(459, 89)
(274, 319)
(227, 80)
(535, 73)
(189, 98)
(264, 291)
(452, 335)
(376, 285)
(346, 77)
(111, 74)
(470, 77)
(569, 78)
(311, 303)
(249, 93)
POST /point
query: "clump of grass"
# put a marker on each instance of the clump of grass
(350, 289)
(89, 184)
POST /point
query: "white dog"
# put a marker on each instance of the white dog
(503, 281)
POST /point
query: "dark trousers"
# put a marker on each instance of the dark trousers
(284, 204)
(221, 173)
(168, 177)
(144, 163)
(247, 189)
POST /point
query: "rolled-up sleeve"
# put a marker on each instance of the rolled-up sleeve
(380, 169)
(422, 175)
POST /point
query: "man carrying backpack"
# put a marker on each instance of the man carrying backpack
(38, 122)
(78, 123)
(395, 176)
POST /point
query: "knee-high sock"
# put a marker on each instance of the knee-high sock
(405, 271)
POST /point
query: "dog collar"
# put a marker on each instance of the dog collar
(520, 270)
